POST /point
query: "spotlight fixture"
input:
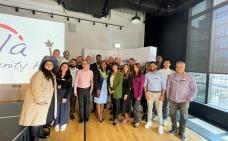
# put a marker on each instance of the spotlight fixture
(52, 15)
(106, 25)
(94, 23)
(79, 20)
(68, 18)
(136, 19)
(33, 12)
(120, 27)
(16, 9)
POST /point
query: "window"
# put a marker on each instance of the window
(218, 90)
(199, 41)
(207, 51)
(201, 79)
(216, 2)
(202, 6)
(219, 41)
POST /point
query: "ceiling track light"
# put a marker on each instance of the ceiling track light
(136, 19)
(64, 16)
(16, 9)
(33, 12)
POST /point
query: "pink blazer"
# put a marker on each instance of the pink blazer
(137, 85)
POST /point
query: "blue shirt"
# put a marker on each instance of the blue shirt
(154, 81)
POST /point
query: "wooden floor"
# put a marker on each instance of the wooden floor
(105, 131)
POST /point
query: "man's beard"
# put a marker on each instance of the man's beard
(72, 66)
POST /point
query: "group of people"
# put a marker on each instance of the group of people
(55, 87)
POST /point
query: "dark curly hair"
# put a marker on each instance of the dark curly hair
(48, 74)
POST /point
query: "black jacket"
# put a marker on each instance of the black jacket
(64, 84)
(98, 80)
(127, 85)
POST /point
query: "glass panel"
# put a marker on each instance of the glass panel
(216, 2)
(201, 79)
(218, 91)
(219, 41)
(198, 44)
(200, 7)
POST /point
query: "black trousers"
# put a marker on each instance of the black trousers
(116, 107)
(34, 131)
(72, 102)
(165, 108)
(84, 99)
(144, 103)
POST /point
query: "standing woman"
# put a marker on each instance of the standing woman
(126, 93)
(137, 86)
(64, 88)
(101, 89)
(115, 81)
(39, 107)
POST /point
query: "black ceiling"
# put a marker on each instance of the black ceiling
(100, 8)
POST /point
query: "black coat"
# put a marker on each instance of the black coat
(127, 85)
(98, 80)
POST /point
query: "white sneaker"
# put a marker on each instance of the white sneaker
(63, 127)
(56, 128)
(160, 129)
(148, 125)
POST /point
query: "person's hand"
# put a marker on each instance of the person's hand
(98, 93)
(138, 98)
(64, 100)
(125, 97)
(161, 98)
(75, 94)
(146, 96)
(110, 91)
(91, 93)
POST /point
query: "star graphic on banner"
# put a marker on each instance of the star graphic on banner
(49, 44)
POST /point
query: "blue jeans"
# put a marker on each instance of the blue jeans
(62, 108)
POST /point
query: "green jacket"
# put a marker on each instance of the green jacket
(117, 84)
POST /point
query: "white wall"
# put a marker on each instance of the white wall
(86, 36)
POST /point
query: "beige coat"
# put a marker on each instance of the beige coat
(40, 90)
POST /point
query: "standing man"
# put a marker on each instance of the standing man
(73, 71)
(181, 89)
(65, 58)
(94, 67)
(89, 61)
(79, 62)
(154, 88)
(159, 60)
(83, 88)
(118, 61)
(66, 55)
(109, 63)
(165, 71)
(131, 63)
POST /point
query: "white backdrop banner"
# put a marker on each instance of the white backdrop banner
(23, 43)
(141, 55)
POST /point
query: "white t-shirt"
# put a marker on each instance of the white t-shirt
(166, 72)
(73, 72)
